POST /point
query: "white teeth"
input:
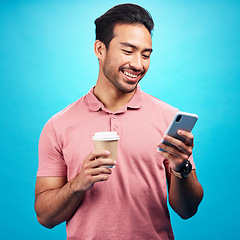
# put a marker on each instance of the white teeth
(130, 75)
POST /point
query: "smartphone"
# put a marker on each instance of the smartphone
(181, 121)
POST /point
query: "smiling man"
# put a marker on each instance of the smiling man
(130, 201)
(123, 64)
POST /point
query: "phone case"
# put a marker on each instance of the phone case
(182, 120)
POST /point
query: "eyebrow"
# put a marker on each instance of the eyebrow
(127, 44)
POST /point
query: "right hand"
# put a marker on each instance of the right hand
(93, 170)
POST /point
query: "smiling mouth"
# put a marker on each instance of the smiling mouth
(130, 74)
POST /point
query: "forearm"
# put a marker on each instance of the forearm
(56, 206)
(57, 200)
(185, 195)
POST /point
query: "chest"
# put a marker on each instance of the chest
(139, 133)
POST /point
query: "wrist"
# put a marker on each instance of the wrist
(184, 171)
(75, 186)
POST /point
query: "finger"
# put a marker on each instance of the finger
(98, 153)
(100, 178)
(88, 176)
(173, 151)
(90, 180)
(182, 147)
(173, 141)
(99, 171)
(101, 162)
(105, 161)
(188, 136)
(174, 161)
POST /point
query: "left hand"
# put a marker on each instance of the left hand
(180, 153)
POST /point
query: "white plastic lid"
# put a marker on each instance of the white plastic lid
(105, 136)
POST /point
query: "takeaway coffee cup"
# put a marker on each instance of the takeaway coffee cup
(107, 141)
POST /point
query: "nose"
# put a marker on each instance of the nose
(136, 62)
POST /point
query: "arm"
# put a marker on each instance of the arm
(186, 194)
(56, 200)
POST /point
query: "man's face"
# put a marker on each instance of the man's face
(128, 56)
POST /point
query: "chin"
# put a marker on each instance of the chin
(128, 89)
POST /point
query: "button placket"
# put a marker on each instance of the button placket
(114, 123)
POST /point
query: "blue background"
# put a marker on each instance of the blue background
(47, 62)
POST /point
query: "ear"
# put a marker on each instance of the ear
(99, 49)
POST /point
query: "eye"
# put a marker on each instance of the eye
(127, 52)
(144, 56)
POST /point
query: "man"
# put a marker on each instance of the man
(129, 201)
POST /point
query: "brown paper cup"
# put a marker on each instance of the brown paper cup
(107, 141)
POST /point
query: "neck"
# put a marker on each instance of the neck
(112, 98)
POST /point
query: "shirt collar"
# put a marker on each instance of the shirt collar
(95, 105)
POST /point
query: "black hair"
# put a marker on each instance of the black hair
(125, 14)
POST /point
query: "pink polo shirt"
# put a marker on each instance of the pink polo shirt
(132, 204)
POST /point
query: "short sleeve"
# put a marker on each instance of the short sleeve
(51, 161)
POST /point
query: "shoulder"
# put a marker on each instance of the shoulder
(69, 110)
(160, 112)
(157, 104)
(68, 116)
